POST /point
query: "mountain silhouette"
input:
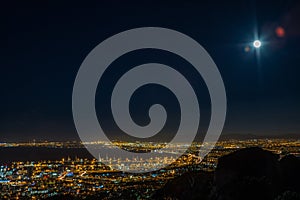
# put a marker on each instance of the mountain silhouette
(246, 174)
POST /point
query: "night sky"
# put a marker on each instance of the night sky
(44, 44)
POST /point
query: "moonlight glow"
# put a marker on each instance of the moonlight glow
(257, 43)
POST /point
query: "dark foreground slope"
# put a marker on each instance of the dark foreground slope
(246, 174)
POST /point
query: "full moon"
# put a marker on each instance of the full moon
(257, 43)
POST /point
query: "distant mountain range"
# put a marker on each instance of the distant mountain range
(253, 136)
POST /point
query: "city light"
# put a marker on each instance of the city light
(80, 177)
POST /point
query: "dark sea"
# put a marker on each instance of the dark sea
(10, 154)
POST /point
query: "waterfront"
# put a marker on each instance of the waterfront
(55, 170)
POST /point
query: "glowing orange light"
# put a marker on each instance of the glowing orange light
(280, 32)
(247, 49)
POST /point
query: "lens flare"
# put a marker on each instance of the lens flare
(257, 44)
